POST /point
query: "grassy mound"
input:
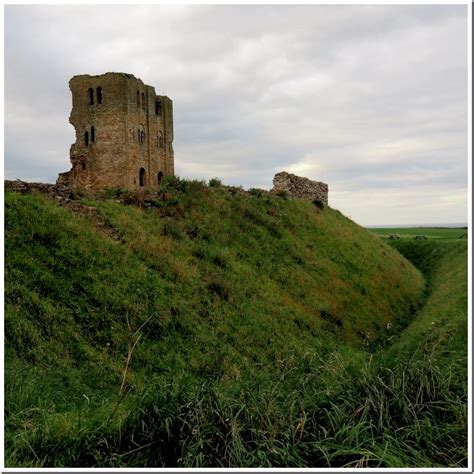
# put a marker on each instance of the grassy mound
(199, 327)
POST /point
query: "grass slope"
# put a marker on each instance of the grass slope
(214, 328)
(441, 323)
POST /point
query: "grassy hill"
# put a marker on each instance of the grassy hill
(205, 326)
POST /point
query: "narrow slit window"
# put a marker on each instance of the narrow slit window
(91, 96)
(86, 138)
(142, 176)
(138, 98)
(99, 95)
(158, 107)
(92, 134)
(143, 101)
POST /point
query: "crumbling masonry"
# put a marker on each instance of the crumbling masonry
(124, 133)
(300, 188)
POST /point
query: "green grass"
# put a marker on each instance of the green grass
(441, 324)
(260, 331)
(428, 232)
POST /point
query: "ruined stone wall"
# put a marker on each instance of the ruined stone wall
(129, 133)
(149, 113)
(300, 188)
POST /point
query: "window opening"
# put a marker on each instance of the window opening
(99, 95)
(158, 107)
(142, 176)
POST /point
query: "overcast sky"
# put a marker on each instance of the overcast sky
(369, 99)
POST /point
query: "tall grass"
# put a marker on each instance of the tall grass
(409, 415)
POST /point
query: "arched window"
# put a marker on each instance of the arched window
(143, 101)
(86, 138)
(160, 140)
(138, 98)
(142, 176)
(99, 95)
(158, 107)
(92, 134)
(141, 134)
(160, 177)
(91, 96)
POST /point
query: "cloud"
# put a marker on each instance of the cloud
(370, 99)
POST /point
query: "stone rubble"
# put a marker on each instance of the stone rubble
(300, 188)
(64, 195)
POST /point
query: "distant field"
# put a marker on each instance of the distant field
(431, 232)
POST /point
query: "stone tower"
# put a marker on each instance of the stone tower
(124, 133)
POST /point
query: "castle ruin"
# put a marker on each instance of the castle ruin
(300, 188)
(124, 138)
(124, 133)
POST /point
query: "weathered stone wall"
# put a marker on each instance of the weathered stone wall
(62, 194)
(300, 188)
(129, 128)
